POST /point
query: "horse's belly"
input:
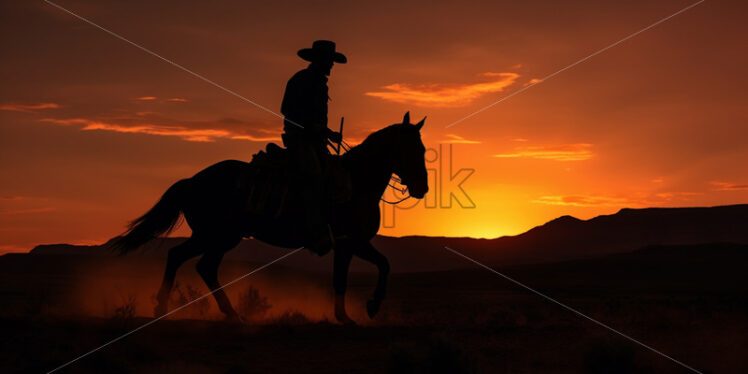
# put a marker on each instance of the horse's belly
(285, 232)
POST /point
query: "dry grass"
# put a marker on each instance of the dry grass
(251, 306)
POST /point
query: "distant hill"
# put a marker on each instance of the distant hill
(564, 238)
(629, 229)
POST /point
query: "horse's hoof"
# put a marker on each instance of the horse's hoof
(372, 307)
(234, 318)
(345, 320)
(159, 311)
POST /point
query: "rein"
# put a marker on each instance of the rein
(395, 202)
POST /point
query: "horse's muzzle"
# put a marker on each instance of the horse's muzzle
(418, 190)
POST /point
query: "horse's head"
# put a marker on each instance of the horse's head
(409, 161)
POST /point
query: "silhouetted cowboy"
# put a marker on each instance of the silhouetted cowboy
(305, 134)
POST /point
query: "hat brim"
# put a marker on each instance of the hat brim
(311, 55)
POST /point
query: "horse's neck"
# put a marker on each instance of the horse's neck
(370, 168)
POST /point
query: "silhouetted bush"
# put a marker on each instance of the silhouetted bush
(252, 305)
(292, 318)
(126, 311)
(184, 296)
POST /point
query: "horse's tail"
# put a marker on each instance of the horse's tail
(161, 219)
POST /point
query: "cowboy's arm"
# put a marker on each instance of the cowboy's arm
(293, 101)
(334, 136)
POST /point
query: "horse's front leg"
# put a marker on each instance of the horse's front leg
(370, 254)
(341, 264)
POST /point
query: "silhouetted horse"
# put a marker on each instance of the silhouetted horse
(214, 203)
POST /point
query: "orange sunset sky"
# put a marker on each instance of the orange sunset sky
(93, 130)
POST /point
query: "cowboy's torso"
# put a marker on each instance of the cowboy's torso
(305, 104)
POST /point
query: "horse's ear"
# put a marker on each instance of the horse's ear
(420, 124)
(406, 118)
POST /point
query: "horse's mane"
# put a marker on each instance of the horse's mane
(374, 139)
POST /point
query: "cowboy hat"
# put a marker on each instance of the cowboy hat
(322, 49)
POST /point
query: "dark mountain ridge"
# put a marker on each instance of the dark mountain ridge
(564, 238)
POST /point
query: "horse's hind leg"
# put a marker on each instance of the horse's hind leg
(177, 256)
(341, 265)
(207, 267)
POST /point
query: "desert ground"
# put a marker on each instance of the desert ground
(688, 302)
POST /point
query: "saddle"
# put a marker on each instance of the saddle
(273, 182)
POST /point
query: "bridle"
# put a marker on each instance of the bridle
(401, 190)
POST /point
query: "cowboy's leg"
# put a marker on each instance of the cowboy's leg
(309, 172)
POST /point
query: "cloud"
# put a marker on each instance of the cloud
(204, 134)
(12, 248)
(21, 204)
(256, 138)
(27, 211)
(532, 81)
(66, 122)
(456, 139)
(443, 95)
(12, 198)
(728, 186)
(200, 135)
(564, 152)
(28, 108)
(582, 200)
(673, 195)
(154, 98)
(643, 200)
